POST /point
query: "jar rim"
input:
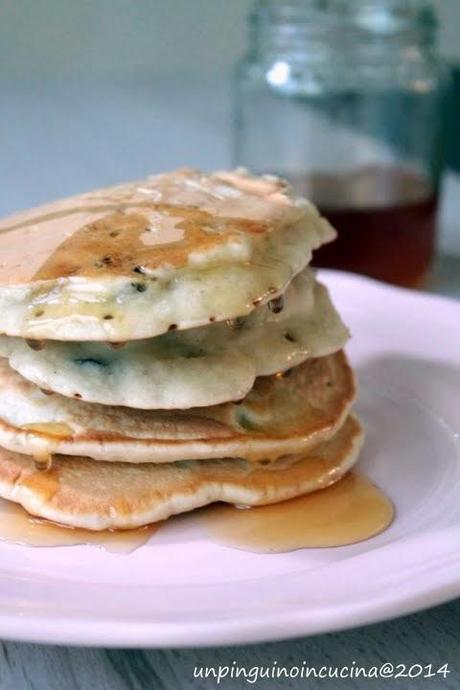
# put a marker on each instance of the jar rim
(383, 18)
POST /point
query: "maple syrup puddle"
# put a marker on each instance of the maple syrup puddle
(347, 512)
(18, 527)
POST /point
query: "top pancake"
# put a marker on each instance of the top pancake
(174, 251)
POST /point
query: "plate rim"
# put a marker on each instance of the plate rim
(147, 634)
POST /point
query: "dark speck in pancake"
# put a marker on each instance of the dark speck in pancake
(92, 361)
(139, 287)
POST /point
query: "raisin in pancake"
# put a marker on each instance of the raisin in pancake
(80, 492)
(194, 368)
(280, 416)
(174, 251)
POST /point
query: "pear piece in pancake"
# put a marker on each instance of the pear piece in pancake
(281, 415)
(82, 493)
(174, 251)
(194, 368)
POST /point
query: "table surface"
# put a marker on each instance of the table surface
(51, 127)
(424, 638)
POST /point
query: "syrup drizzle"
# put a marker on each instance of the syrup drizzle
(43, 460)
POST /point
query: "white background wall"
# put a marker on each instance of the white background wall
(120, 36)
(126, 37)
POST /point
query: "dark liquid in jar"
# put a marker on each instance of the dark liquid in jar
(385, 219)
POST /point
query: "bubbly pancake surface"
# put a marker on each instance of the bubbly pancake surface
(83, 493)
(281, 415)
(174, 251)
(194, 368)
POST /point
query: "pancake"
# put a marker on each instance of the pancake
(171, 252)
(82, 493)
(194, 368)
(281, 415)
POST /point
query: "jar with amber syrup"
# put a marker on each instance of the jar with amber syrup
(345, 99)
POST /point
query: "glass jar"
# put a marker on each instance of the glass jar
(344, 98)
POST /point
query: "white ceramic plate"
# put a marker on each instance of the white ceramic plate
(182, 590)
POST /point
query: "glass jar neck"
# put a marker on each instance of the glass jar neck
(312, 29)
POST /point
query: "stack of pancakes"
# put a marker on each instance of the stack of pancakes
(165, 345)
